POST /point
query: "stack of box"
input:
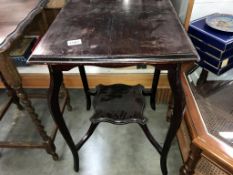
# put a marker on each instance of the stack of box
(22, 50)
(214, 47)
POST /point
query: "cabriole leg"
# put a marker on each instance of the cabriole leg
(175, 84)
(56, 79)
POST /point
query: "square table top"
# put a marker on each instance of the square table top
(126, 31)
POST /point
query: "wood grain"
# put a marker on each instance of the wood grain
(188, 14)
(14, 17)
(115, 32)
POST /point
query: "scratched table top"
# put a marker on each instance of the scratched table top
(101, 31)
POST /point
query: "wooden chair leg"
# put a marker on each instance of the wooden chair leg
(87, 135)
(151, 138)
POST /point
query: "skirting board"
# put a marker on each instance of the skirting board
(73, 81)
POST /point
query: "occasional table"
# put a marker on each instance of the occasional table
(15, 16)
(115, 34)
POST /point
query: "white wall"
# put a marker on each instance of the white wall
(181, 8)
(205, 7)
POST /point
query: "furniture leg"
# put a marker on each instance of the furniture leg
(203, 77)
(174, 81)
(11, 93)
(87, 135)
(85, 85)
(34, 116)
(170, 108)
(154, 88)
(51, 149)
(69, 107)
(12, 80)
(151, 138)
(190, 164)
(56, 79)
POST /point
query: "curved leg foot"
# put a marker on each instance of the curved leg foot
(53, 154)
(174, 81)
(87, 135)
(56, 78)
(154, 88)
(51, 149)
(151, 138)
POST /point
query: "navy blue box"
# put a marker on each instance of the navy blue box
(214, 47)
(22, 50)
(213, 64)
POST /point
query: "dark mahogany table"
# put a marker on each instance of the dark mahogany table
(115, 33)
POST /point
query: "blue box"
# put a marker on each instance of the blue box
(213, 64)
(214, 47)
(22, 50)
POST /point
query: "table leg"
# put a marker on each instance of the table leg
(175, 84)
(85, 85)
(10, 77)
(203, 77)
(154, 88)
(11, 93)
(13, 80)
(190, 164)
(56, 79)
(51, 149)
(66, 92)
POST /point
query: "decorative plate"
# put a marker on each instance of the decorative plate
(223, 22)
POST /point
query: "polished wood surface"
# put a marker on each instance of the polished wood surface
(15, 15)
(115, 31)
(205, 136)
(115, 34)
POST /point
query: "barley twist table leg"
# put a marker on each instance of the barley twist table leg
(175, 84)
(13, 79)
(34, 116)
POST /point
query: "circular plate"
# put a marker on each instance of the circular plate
(223, 22)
